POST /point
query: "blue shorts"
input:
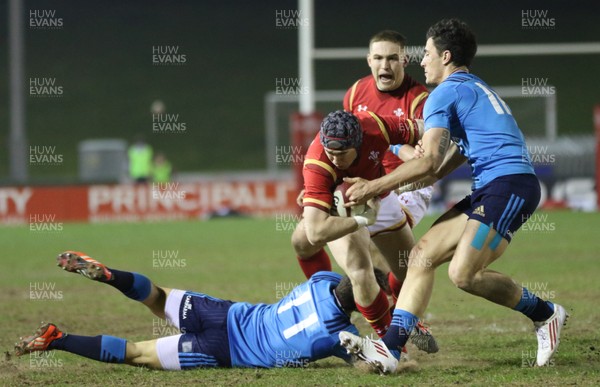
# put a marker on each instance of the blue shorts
(503, 204)
(204, 341)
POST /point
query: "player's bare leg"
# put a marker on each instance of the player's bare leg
(132, 285)
(103, 348)
(143, 353)
(468, 271)
(378, 259)
(351, 252)
(395, 247)
(312, 258)
(433, 249)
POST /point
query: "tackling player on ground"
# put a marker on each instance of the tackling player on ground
(477, 230)
(302, 327)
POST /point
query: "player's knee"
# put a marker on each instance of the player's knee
(316, 239)
(134, 354)
(462, 279)
(301, 245)
(143, 354)
(305, 251)
(308, 239)
(361, 276)
(419, 258)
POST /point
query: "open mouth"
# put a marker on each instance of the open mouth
(386, 78)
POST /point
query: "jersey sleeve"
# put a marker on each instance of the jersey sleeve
(438, 109)
(319, 178)
(397, 130)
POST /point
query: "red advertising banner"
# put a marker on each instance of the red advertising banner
(158, 201)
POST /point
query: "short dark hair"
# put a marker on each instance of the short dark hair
(389, 36)
(455, 36)
(344, 290)
(341, 130)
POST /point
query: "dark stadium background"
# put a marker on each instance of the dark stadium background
(102, 58)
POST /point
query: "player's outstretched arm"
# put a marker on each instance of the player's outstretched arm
(452, 160)
(435, 145)
(404, 152)
(322, 228)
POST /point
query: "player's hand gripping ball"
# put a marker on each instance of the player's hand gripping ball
(367, 211)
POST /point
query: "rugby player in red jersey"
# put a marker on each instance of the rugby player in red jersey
(388, 91)
(350, 146)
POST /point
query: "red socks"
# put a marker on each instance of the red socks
(378, 313)
(318, 262)
(395, 286)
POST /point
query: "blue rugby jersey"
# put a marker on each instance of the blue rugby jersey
(481, 124)
(303, 326)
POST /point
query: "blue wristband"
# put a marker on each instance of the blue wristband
(396, 149)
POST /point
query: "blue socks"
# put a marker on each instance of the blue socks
(397, 335)
(534, 307)
(133, 285)
(108, 349)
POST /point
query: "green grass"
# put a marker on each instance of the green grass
(246, 259)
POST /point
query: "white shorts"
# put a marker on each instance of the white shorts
(390, 216)
(415, 203)
(167, 347)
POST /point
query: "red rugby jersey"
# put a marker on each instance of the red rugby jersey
(407, 102)
(320, 174)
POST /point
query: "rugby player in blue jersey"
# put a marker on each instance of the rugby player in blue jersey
(474, 233)
(302, 327)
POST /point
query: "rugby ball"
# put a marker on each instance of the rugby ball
(340, 199)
